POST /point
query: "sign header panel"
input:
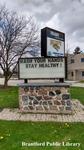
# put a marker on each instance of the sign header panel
(41, 68)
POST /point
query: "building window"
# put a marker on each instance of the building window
(83, 73)
(72, 61)
(72, 74)
(82, 59)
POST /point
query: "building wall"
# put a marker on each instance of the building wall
(75, 64)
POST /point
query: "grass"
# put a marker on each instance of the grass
(13, 133)
(81, 81)
(9, 96)
(77, 93)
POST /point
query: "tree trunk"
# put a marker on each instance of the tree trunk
(5, 82)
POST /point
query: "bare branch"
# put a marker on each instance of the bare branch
(16, 35)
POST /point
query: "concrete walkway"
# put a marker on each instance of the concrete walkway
(15, 114)
(15, 82)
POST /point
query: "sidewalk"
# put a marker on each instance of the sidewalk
(15, 82)
(15, 114)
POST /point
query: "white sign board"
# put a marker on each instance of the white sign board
(55, 43)
(41, 68)
(55, 47)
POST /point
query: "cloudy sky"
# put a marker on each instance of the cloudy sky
(63, 15)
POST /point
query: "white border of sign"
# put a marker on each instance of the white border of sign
(42, 68)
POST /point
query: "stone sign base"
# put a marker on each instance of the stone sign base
(45, 98)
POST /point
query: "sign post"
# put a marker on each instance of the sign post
(53, 44)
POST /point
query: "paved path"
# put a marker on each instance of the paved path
(15, 82)
(15, 114)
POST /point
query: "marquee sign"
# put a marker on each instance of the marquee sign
(41, 68)
(52, 43)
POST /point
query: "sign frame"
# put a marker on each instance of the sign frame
(39, 77)
(44, 42)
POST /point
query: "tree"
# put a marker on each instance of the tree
(17, 36)
(77, 50)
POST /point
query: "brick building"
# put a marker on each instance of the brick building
(75, 66)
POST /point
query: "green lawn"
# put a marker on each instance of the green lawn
(9, 96)
(12, 134)
(77, 93)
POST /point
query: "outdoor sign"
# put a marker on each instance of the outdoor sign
(52, 43)
(41, 68)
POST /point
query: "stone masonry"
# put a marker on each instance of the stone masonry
(45, 98)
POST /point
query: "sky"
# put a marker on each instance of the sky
(63, 15)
